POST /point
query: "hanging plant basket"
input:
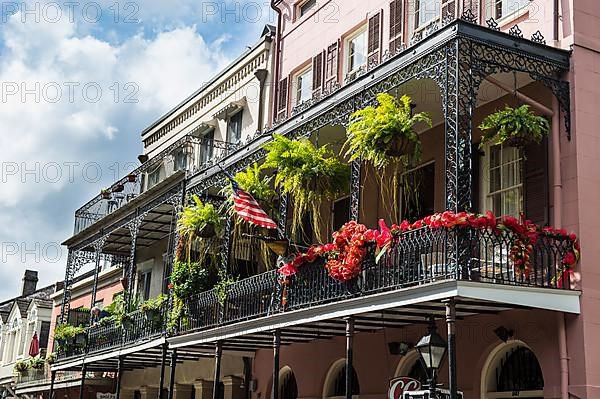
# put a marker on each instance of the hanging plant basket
(207, 231)
(400, 145)
(106, 194)
(515, 127)
(118, 188)
(131, 178)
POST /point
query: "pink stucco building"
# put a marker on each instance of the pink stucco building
(511, 327)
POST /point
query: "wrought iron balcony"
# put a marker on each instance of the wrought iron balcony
(417, 257)
(189, 154)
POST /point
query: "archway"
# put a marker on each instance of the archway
(512, 371)
(335, 381)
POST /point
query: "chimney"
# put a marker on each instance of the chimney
(30, 280)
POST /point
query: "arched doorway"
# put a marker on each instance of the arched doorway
(512, 371)
(335, 382)
(288, 388)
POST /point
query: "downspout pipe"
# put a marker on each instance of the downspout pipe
(557, 216)
(276, 59)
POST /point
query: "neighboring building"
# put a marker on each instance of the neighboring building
(516, 335)
(21, 318)
(38, 383)
(134, 226)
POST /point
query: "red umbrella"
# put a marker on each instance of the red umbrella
(34, 347)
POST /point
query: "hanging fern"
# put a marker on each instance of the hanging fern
(516, 127)
(375, 132)
(309, 175)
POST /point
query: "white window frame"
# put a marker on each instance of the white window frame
(486, 197)
(415, 25)
(507, 14)
(363, 30)
(296, 86)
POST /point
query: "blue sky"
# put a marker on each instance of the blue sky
(79, 82)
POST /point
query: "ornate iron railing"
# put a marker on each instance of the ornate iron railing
(416, 257)
(189, 154)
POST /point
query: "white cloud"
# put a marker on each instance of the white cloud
(82, 125)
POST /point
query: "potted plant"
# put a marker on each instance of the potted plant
(385, 133)
(67, 335)
(152, 307)
(117, 188)
(308, 174)
(517, 127)
(199, 220)
(105, 193)
(36, 363)
(21, 366)
(131, 177)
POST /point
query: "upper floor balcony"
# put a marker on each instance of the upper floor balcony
(188, 154)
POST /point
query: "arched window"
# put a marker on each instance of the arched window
(288, 389)
(411, 366)
(512, 371)
(335, 383)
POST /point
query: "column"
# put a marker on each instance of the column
(172, 374)
(451, 321)
(355, 189)
(82, 386)
(204, 389)
(216, 381)
(119, 377)
(276, 349)
(349, 355)
(163, 362)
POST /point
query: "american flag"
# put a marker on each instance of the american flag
(248, 209)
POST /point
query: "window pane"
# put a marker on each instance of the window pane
(505, 191)
(427, 11)
(357, 51)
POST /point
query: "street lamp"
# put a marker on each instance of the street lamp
(432, 349)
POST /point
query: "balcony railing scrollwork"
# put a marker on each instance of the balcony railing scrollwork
(189, 154)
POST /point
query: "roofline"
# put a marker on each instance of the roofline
(264, 38)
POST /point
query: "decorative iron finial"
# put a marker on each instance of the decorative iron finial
(468, 16)
(515, 31)
(537, 37)
(492, 24)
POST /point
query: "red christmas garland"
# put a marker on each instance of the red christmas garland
(345, 254)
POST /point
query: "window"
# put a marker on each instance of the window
(154, 177)
(234, 127)
(357, 51)
(418, 192)
(44, 334)
(306, 6)
(207, 146)
(303, 86)
(288, 388)
(180, 160)
(144, 281)
(341, 210)
(503, 180)
(499, 9)
(426, 11)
